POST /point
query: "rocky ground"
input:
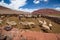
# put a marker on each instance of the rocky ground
(55, 27)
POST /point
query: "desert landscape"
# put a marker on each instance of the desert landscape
(36, 19)
(29, 19)
(43, 24)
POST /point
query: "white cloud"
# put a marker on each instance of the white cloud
(57, 8)
(15, 4)
(27, 10)
(36, 1)
(3, 4)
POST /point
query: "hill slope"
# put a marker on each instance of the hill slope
(4, 10)
(47, 11)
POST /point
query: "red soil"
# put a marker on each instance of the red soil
(46, 11)
(31, 35)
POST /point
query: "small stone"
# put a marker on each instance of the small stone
(7, 28)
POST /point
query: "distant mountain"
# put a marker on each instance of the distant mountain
(4, 10)
(46, 11)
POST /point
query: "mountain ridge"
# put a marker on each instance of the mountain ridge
(46, 11)
(4, 10)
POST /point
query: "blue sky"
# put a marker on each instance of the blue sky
(42, 4)
(30, 5)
